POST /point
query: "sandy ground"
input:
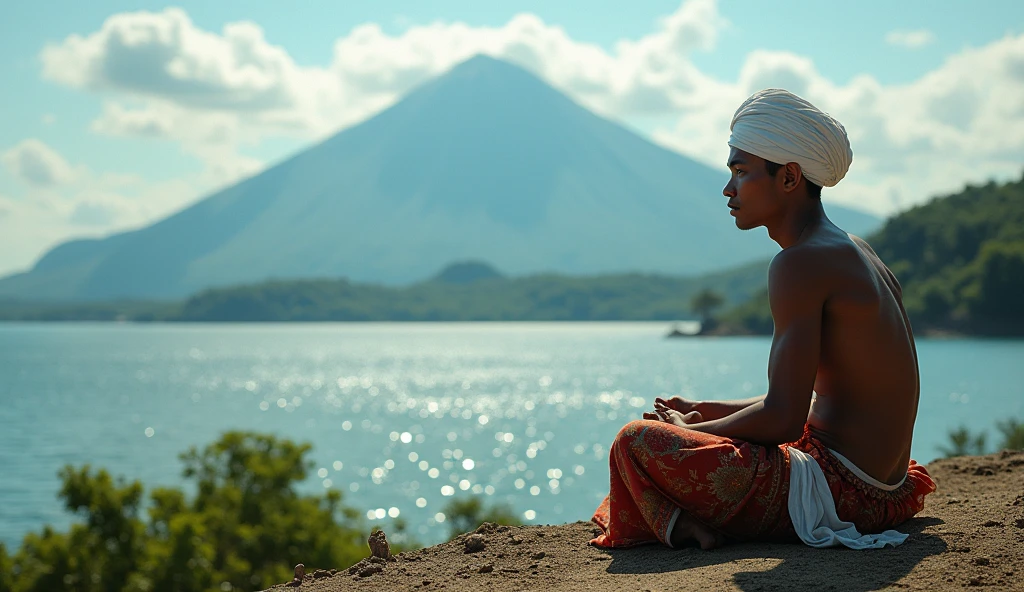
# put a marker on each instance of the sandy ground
(970, 534)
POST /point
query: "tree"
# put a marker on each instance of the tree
(98, 555)
(963, 443)
(1013, 434)
(1001, 282)
(243, 530)
(6, 569)
(704, 304)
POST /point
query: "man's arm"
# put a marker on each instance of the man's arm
(797, 298)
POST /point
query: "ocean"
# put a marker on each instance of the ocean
(403, 417)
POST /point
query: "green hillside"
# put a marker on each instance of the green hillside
(959, 258)
(462, 292)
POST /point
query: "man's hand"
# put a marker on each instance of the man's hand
(679, 404)
(662, 412)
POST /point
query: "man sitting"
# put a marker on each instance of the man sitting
(825, 455)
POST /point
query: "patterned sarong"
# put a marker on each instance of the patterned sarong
(735, 487)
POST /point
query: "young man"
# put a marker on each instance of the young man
(824, 456)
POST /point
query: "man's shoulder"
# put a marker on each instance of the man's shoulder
(863, 245)
(796, 277)
(801, 259)
(811, 270)
(821, 253)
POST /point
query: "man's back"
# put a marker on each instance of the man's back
(867, 383)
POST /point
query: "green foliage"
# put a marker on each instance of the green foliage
(960, 259)
(6, 569)
(466, 293)
(1013, 434)
(963, 443)
(706, 302)
(465, 515)
(998, 288)
(244, 529)
(534, 298)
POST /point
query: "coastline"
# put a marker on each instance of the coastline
(971, 533)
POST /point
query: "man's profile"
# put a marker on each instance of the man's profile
(824, 455)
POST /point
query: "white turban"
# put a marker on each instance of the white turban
(781, 127)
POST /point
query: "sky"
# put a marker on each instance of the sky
(115, 114)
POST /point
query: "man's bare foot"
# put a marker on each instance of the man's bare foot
(687, 529)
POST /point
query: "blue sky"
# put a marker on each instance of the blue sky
(99, 134)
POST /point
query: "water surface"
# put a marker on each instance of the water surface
(402, 416)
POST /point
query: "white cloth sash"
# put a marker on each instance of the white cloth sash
(813, 510)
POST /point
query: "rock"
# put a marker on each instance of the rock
(379, 547)
(539, 555)
(475, 543)
(300, 572)
(487, 568)
(321, 573)
(486, 528)
(367, 567)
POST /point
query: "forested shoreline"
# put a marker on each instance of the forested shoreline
(959, 258)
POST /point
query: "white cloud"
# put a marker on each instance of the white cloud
(165, 58)
(37, 164)
(213, 93)
(84, 204)
(957, 124)
(118, 120)
(910, 39)
(164, 55)
(216, 92)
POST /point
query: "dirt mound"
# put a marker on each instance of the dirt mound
(971, 533)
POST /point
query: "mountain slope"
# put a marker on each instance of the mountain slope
(485, 163)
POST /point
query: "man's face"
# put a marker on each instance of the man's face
(752, 192)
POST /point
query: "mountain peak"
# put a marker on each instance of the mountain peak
(482, 60)
(486, 78)
(482, 63)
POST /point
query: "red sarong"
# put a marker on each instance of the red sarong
(735, 487)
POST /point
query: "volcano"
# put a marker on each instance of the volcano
(485, 162)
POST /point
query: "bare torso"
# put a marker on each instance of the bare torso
(867, 384)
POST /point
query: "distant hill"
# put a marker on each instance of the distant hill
(462, 292)
(486, 162)
(959, 259)
(467, 272)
